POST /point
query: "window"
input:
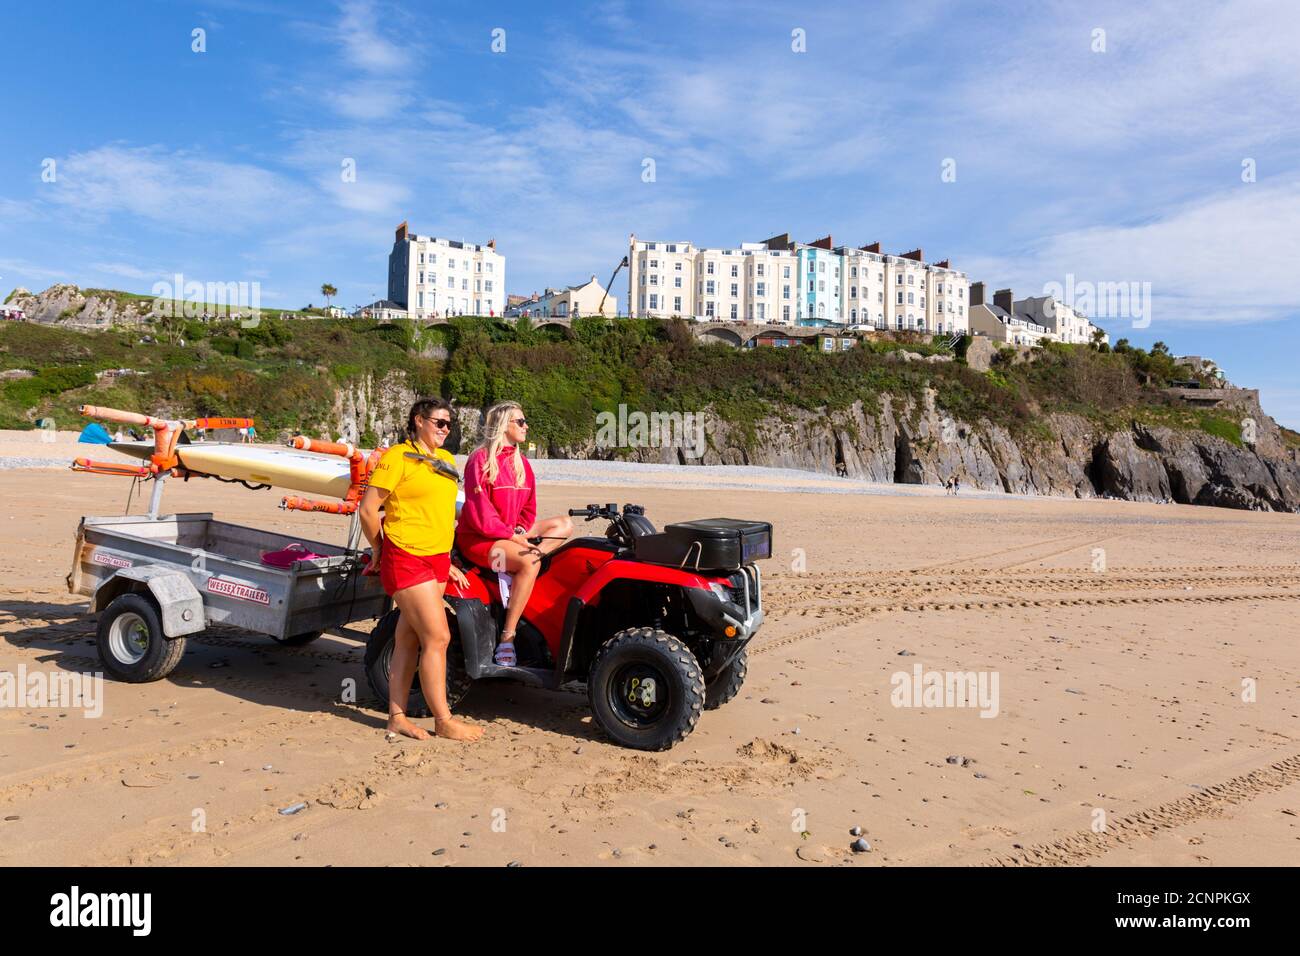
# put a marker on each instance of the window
(677, 266)
(671, 248)
(487, 285)
(821, 285)
(451, 263)
(734, 314)
(762, 289)
(853, 292)
(708, 309)
(708, 287)
(853, 315)
(910, 277)
(654, 278)
(478, 266)
(735, 288)
(898, 278)
(422, 258)
(785, 292)
(735, 272)
(760, 268)
(654, 263)
(451, 282)
(900, 296)
(785, 274)
(762, 312)
(489, 267)
(880, 297)
(677, 304)
(785, 309)
(821, 267)
(853, 272)
(677, 282)
(708, 269)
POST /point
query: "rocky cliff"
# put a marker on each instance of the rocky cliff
(915, 442)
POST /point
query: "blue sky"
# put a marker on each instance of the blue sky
(1115, 165)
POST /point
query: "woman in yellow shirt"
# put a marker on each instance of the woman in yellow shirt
(412, 547)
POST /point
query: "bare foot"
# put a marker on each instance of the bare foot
(401, 724)
(454, 729)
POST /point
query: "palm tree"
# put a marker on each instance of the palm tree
(329, 292)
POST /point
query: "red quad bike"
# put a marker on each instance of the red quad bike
(655, 623)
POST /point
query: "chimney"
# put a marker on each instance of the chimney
(977, 293)
(943, 264)
(778, 242)
(401, 231)
(492, 244)
(824, 243)
(914, 254)
(1003, 300)
(874, 247)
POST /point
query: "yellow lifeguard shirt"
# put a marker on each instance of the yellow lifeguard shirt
(420, 510)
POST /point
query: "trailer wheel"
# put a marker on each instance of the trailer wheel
(297, 640)
(379, 658)
(132, 645)
(646, 689)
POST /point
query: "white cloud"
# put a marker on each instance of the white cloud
(176, 189)
(126, 270)
(1227, 258)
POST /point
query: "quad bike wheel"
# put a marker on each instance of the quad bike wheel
(131, 641)
(726, 683)
(379, 658)
(646, 689)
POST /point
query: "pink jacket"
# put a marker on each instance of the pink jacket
(493, 510)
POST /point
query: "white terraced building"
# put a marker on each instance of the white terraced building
(782, 282)
(434, 278)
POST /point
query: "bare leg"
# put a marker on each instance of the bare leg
(406, 651)
(422, 605)
(522, 562)
(551, 530)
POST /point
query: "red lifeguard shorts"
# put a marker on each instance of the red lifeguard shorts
(477, 550)
(400, 569)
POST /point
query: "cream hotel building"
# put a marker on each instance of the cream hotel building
(782, 282)
(434, 278)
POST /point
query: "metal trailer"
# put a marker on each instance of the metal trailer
(156, 579)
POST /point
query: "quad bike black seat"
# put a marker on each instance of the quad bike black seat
(709, 544)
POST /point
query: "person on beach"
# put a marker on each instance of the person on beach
(500, 512)
(412, 549)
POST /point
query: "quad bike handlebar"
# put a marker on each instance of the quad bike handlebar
(624, 526)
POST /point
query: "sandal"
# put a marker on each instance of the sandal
(505, 653)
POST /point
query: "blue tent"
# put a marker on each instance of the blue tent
(95, 434)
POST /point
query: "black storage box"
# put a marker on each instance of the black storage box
(710, 544)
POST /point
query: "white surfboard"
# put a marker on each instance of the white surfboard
(306, 471)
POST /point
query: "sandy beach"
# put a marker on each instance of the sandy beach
(1122, 692)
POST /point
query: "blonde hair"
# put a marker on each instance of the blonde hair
(495, 423)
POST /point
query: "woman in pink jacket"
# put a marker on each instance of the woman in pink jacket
(500, 515)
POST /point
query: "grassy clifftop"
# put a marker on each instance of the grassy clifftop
(285, 373)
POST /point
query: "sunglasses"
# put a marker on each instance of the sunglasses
(442, 424)
(521, 422)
